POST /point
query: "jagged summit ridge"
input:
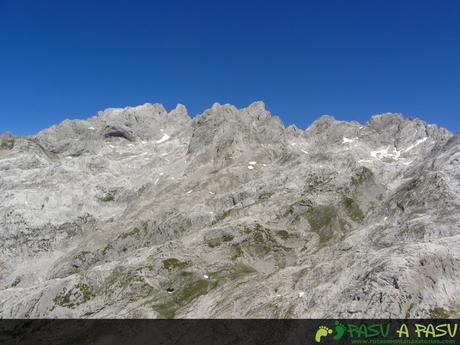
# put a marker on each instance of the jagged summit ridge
(140, 212)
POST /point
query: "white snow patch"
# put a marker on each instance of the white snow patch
(191, 190)
(156, 181)
(163, 139)
(386, 153)
(304, 151)
(293, 144)
(69, 157)
(91, 128)
(346, 140)
(301, 294)
(112, 146)
(143, 142)
(417, 143)
(205, 276)
(264, 165)
(385, 218)
(164, 154)
(250, 167)
(211, 193)
(252, 163)
(161, 173)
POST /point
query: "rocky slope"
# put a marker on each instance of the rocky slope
(137, 212)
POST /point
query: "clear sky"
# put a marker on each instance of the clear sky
(351, 59)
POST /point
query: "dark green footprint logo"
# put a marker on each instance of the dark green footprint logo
(339, 330)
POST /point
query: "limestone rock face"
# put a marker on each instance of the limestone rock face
(143, 213)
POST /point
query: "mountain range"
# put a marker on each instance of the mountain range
(143, 213)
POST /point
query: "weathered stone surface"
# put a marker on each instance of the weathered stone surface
(138, 212)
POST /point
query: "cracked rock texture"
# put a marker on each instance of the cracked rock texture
(143, 213)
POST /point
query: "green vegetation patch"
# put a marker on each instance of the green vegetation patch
(120, 276)
(4, 145)
(232, 273)
(440, 313)
(133, 233)
(191, 286)
(321, 216)
(262, 241)
(237, 251)
(352, 209)
(259, 242)
(191, 290)
(79, 294)
(285, 235)
(325, 221)
(173, 263)
(362, 175)
(127, 282)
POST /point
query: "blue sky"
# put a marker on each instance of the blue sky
(350, 59)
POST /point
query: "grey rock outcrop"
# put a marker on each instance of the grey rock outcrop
(138, 212)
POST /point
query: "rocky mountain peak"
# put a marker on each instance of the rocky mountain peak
(180, 113)
(258, 111)
(386, 119)
(224, 127)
